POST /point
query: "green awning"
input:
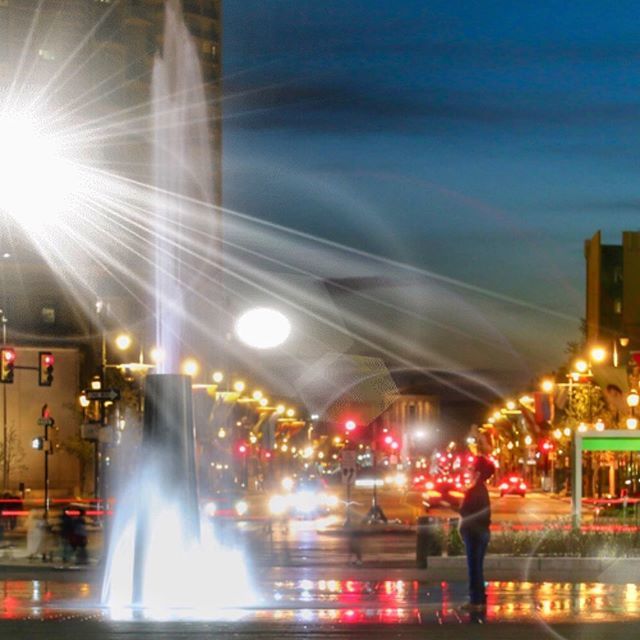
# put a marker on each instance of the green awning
(611, 444)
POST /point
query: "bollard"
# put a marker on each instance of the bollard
(425, 540)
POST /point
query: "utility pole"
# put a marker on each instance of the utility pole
(5, 449)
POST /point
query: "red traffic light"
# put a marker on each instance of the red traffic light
(242, 449)
(7, 364)
(45, 368)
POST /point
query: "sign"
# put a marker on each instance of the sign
(103, 394)
(45, 422)
(90, 430)
(348, 465)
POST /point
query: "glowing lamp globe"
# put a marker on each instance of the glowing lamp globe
(263, 328)
(36, 180)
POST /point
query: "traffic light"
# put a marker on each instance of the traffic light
(45, 369)
(7, 364)
(350, 425)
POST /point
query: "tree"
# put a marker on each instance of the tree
(83, 450)
(15, 454)
(586, 403)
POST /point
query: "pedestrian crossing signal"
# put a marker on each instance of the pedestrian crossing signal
(45, 369)
(7, 364)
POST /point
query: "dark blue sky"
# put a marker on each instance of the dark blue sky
(483, 141)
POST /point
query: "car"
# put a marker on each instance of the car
(304, 498)
(444, 491)
(227, 505)
(513, 485)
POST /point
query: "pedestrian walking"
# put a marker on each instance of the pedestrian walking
(38, 536)
(475, 520)
(66, 534)
(79, 537)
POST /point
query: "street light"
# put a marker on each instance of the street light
(37, 180)
(581, 366)
(190, 367)
(123, 341)
(547, 385)
(263, 328)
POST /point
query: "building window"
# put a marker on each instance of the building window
(617, 275)
(617, 306)
(48, 315)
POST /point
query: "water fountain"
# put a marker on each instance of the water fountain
(159, 557)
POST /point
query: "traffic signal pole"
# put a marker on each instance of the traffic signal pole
(46, 469)
(5, 450)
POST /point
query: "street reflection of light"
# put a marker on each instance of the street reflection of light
(306, 585)
(306, 615)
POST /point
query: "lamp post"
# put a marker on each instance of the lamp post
(5, 450)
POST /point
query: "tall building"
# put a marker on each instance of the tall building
(86, 61)
(91, 61)
(613, 290)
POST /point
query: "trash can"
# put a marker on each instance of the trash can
(425, 540)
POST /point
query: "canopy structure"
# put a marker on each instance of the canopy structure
(617, 440)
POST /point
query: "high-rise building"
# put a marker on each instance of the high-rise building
(613, 290)
(90, 61)
(82, 61)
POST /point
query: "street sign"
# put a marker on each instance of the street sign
(348, 465)
(45, 422)
(90, 430)
(103, 394)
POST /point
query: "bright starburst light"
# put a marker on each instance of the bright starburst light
(37, 180)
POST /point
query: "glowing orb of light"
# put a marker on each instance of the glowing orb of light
(263, 328)
(36, 178)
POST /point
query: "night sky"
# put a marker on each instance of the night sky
(481, 141)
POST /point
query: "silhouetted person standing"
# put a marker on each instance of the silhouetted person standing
(475, 514)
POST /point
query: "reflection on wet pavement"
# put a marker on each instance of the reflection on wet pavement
(352, 602)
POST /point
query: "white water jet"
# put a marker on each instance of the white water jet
(161, 560)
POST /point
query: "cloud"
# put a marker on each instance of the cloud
(347, 105)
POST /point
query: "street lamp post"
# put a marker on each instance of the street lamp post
(5, 449)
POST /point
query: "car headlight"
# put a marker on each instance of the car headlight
(241, 507)
(277, 505)
(331, 500)
(400, 479)
(210, 509)
(305, 501)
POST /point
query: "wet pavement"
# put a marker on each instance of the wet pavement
(327, 601)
